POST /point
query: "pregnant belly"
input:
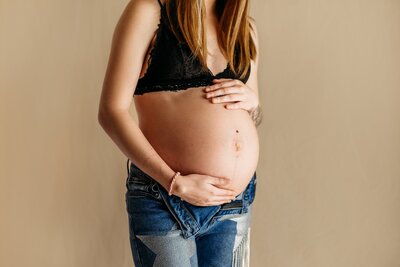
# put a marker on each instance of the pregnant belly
(193, 135)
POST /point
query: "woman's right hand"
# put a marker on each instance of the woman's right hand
(203, 190)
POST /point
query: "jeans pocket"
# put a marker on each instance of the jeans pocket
(140, 186)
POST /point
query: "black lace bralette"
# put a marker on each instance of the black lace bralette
(171, 66)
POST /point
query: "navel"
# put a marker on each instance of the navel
(237, 146)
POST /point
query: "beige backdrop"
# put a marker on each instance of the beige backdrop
(328, 189)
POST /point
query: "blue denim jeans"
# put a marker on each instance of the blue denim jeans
(166, 231)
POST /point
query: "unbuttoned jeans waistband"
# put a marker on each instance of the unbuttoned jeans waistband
(193, 218)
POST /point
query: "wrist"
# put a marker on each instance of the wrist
(177, 188)
(165, 181)
(172, 183)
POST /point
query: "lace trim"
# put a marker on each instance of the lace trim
(171, 86)
(147, 86)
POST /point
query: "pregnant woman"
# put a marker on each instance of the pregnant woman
(191, 68)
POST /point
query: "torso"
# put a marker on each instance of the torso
(193, 135)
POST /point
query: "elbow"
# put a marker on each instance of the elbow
(101, 117)
(106, 116)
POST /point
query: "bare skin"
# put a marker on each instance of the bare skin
(215, 148)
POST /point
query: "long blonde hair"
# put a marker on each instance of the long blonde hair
(186, 19)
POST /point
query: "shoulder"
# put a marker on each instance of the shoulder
(139, 16)
(145, 9)
(146, 3)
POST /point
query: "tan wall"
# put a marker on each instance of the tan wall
(329, 175)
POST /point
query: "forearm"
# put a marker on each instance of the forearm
(256, 115)
(126, 134)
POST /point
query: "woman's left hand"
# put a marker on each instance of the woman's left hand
(233, 92)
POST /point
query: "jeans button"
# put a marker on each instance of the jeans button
(154, 187)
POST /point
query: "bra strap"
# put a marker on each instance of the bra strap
(159, 1)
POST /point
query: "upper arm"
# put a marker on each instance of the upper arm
(132, 35)
(252, 82)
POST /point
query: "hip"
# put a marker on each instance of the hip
(145, 197)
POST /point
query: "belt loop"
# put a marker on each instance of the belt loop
(127, 166)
